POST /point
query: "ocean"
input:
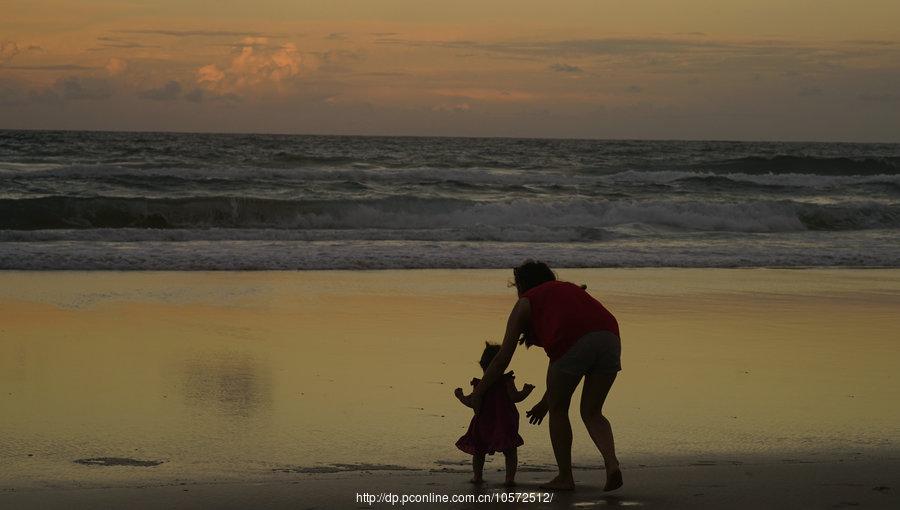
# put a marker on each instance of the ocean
(176, 201)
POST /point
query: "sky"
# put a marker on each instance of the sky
(818, 70)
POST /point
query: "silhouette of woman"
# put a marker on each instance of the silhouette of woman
(581, 338)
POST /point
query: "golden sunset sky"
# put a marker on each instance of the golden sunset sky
(688, 69)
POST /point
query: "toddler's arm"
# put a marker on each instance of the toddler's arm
(461, 397)
(515, 394)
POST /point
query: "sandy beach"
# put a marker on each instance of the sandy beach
(742, 388)
(869, 483)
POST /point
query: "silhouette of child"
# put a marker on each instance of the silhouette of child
(495, 426)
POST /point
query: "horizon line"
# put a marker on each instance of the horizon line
(497, 137)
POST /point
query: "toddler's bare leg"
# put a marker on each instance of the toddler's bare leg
(477, 468)
(512, 461)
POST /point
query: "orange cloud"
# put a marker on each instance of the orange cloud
(116, 66)
(487, 94)
(8, 50)
(209, 75)
(256, 67)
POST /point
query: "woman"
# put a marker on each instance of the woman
(581, 339)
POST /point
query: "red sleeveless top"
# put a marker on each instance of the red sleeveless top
(562, 312)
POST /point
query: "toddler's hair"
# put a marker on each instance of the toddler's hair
(490, 350)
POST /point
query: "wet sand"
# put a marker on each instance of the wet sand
(772, 484)
(750, 387)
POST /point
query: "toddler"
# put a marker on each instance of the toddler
(495, 426)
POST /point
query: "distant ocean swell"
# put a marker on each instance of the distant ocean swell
(139, 173)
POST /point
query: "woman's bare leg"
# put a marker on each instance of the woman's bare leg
(593, 395)
(560, 387)
(512, 461)
(477, 468)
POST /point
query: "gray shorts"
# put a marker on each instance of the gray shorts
(598, 352)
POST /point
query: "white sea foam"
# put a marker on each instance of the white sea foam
(770, 251)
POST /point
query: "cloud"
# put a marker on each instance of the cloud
(565, 68)
(199, 95)
(52, 67)
(809, 91)
(195, 96)
(210, 74)
(571, 47)
(74, 88)
(385, 74)
(883, 97)
(11, 92)
(255, 41)
(116, 66)
(8, 50)
(680, 54)
(487, 94)
(253, 69)
(452, 108)
(193, 33)
(334, 56)
(336, 36)
(168, 92)
(116, 42)
(334, 61)
(873, 42)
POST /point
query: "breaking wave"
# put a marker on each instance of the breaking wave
(587, 217)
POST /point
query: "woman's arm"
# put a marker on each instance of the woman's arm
(515, 325)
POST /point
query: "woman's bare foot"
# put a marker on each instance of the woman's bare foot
(613, 480)
(559, 484)
(477, 480)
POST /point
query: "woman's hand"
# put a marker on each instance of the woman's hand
(537, 413)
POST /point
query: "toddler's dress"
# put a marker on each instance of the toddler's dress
(495, 427)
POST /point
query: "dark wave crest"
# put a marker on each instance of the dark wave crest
(789, 164)
(402, 212)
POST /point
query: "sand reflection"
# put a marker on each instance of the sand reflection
(230, 383)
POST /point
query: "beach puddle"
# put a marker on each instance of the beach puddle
(117, 461)
(608, 501)
(342, 468)
(525, 468)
